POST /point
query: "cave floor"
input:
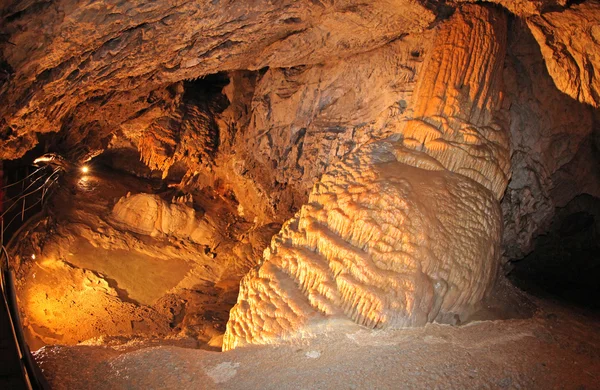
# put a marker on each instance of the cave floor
(556, 348)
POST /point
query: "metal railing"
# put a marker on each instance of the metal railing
(32, 374)
(33, 192)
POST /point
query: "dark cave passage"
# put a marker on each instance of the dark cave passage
(565, 264)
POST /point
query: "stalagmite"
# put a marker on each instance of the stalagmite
(405, 230)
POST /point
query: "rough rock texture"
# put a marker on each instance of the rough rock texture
(554, 350)
(188, 133)
(68, 55)
(525, 8)
(108, 74)
(150, 215)
(570, 43)
(165, 270)
(550, 132)
(564, 264)
(454, 120)
(390, 106)
(304, 119)
(171, 139)
(68, 305)
(402, 231)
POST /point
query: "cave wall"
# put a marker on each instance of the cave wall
(565, 266)
(570, 40)
(102, 72)
(551, 134)
(304, 119)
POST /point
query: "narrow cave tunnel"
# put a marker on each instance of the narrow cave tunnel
(374, 194)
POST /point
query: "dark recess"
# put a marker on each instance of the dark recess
(208, 89)
(565, 264)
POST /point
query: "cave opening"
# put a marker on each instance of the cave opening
(338, 194)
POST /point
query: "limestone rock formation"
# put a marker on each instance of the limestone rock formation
(61, 55)
(570, 42)
(526, 8)
(403, 231)
(337, 107)
(150, 215)
(68, 305)
(412, 117)
(187, 134)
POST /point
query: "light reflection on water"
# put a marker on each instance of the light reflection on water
(87, 183)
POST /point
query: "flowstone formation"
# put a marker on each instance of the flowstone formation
(150, 215)
(405, 230)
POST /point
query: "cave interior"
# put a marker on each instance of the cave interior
(374, 194)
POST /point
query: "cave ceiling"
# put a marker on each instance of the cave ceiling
(91, 59)
(103, 65)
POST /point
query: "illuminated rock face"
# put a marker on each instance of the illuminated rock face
(569, 41)
(186, 133)
(406, 230)
(150, 215)
(551, 157)
(101, 63)
(525, 8)
(391, 106)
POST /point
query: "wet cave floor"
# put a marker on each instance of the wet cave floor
(107, 307)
